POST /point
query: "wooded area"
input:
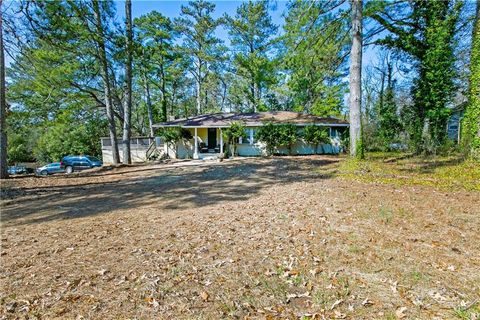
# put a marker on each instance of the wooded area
(77, 71)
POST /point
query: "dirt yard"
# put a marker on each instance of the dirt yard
(282, 238)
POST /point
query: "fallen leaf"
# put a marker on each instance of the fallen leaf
(204, 295)
(400, 313)
(366, 302)
(336, 303)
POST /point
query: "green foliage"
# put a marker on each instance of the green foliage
(251, 32)
(174, 135)
(233, 133)
(360, 154)
(170, 135)
(156, 54)
(316, 135)
(277, 135)
(426, 34)
(389, 124)
(314, 46)
(471, 120)
(200, 44)
(68, 136)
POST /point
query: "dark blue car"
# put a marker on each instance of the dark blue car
(72, 163)
(50, 168)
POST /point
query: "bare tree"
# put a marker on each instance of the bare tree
(102, 55)
(3, 104)
(355, 100)
(127, 132)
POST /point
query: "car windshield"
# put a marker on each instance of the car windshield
(93, 159)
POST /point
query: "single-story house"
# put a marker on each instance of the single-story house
(208, 139)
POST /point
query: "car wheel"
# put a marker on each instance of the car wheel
(69, 169)
(44, 173)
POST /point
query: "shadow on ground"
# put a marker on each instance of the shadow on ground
(176, 188)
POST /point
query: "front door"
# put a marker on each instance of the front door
(212, 138)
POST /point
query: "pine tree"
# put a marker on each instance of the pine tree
(105, 73)
(355, 99)
(127, 113)
(251, 34)
(314, 50)
(197, 28)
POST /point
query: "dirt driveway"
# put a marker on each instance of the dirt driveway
(252, 238)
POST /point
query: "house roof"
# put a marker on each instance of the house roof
(219, 120)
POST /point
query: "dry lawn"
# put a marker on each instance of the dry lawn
(283, 238)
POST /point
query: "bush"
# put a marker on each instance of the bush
(232, 134)
(174, 135)
(68, 137)
(316, 135)
(277, 135)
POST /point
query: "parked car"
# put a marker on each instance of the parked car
(72, 163)
(50, 168)
(17, 170)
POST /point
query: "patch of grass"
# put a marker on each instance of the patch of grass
(390, 316)
(321, 298)
(274, 286)
(297, 280)
(450, 172)
(417, 276)
(353, 248)
(385, 215)
(228, 308)
(473, 312)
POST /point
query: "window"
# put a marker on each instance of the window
(334, 133)
(249, 136)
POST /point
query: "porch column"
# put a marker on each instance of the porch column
(195, 146)
(251, 136)
(221, 141)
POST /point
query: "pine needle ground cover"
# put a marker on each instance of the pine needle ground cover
(446, 172)
(279, 238)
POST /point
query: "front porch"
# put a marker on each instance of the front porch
(207, 143)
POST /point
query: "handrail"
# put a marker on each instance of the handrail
(151, 149)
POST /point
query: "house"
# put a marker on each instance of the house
(208, 141)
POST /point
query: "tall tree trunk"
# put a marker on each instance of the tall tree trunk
(164, 94)
(355, 100)
(127, 130)
(252, 92)
(199, 87)
(3, 104)
(149, 104)
(102, 56)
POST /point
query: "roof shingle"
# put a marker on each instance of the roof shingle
(251, 119)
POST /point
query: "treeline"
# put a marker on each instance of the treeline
(78, 72)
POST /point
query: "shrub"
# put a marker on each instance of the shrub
(288, 135)
(232, 134)
(316, 135)
(174, 135)
(277, 135)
